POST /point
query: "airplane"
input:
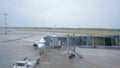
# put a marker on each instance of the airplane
(39, 45)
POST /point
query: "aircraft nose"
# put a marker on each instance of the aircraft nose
(35, 45)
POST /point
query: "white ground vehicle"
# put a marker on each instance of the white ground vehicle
(26, 63)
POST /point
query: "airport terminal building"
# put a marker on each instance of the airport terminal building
(84, 40)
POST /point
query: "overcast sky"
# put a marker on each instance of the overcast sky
(61, 13)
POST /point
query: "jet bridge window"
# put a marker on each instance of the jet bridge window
(50, 40)
(20, 64)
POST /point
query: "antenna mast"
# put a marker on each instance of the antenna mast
(5, 14)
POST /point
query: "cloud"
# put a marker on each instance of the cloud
(75, 13)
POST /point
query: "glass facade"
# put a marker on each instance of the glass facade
(111, 40)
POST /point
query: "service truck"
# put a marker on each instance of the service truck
(26, 63)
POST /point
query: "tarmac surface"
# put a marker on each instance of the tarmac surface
(17, 45)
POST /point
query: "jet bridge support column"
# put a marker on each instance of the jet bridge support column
(111, 40)
(119, 40)
(87, 40)
(68, 46)
(103, 41)
(93, 41)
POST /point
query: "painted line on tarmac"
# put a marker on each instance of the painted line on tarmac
(18, 39)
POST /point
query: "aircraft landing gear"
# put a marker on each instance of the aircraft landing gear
(71, 56)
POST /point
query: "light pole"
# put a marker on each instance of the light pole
(5, 14)
(54, 28)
